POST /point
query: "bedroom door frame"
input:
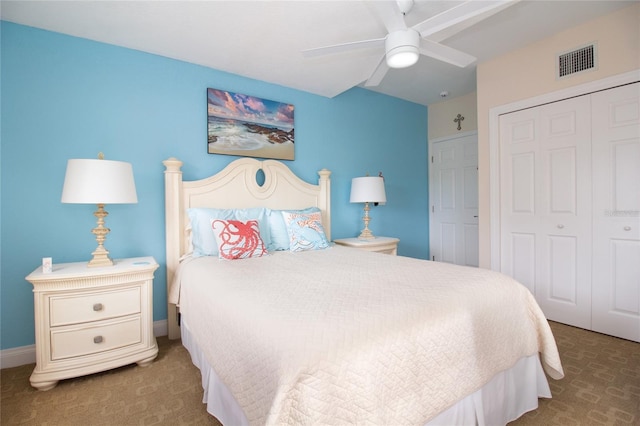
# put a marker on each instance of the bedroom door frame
(463, 218)
(494, 143)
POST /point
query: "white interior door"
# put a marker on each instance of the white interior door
(616, 212)
(453, 195)
(546, 206)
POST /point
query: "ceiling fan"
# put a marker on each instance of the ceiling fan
(403, 45)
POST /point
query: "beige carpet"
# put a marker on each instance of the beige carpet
(601, 387)
(601, 384)
(168, 392)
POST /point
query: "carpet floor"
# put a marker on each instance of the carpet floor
(601, 387)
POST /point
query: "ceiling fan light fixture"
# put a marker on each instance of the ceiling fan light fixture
(402, 48)
(402, 57)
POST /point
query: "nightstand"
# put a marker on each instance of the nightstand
(92, 319)
(385, 245)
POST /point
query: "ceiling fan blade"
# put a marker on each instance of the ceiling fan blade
(378, 74)
(445, 53)
(344, 47)
(463, 12)
(390, 14)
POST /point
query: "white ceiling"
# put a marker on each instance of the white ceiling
(264, 39)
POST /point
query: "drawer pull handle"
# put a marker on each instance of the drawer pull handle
(627, 228)
(560, 226)
(97, 339)
(97, 307)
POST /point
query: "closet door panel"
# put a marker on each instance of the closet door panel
(562, 175)
(563, 286)
(523, 259)
(562, 275)
(523, 184)
(518, 191)
(616, 212)
(545, 208)
(625, 299)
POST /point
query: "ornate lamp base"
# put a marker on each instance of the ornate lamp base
(100, 258)
(366, 233)
(100, 254)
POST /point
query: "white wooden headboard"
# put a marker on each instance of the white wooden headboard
(233, 187)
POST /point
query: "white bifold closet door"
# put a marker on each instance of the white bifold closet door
(570, 208)
(616, 212)
(546, 206)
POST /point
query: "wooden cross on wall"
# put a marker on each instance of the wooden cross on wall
(458, 120)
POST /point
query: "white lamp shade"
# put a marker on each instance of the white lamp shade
(368, 189)
(99, 182)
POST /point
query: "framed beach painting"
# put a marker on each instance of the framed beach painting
(248, 126)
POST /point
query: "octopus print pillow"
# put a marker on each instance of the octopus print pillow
(237, 239)
(305, 231)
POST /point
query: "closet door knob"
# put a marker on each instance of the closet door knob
(627, 228)
(560, 226)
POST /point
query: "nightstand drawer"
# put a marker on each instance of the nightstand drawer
(75, 309)
(68, 342)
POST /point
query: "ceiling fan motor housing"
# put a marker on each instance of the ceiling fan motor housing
(402, 48)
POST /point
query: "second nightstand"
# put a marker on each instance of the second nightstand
(92, 319)
(385, 245)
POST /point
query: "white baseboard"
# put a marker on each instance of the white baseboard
(22, 355)
(18, 356)
(160, 328)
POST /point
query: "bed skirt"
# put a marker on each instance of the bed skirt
(507, 396)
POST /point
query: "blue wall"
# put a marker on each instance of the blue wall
(65, 97)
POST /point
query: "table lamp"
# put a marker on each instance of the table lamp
(99, 182)
(368, 189)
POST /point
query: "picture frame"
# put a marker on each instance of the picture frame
(249, 126)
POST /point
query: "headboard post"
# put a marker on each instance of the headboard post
(325, 200)
(173, 229)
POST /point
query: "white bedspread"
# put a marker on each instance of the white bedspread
(348, 336)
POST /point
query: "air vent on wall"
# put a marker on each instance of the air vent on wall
(578, 60)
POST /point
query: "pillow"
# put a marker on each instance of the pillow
(202, 238)
(305, 231)
(237, 239)
(278, 228)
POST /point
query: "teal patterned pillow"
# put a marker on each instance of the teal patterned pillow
(305, 230)
(279, 236)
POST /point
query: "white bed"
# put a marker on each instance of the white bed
(344, 336)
